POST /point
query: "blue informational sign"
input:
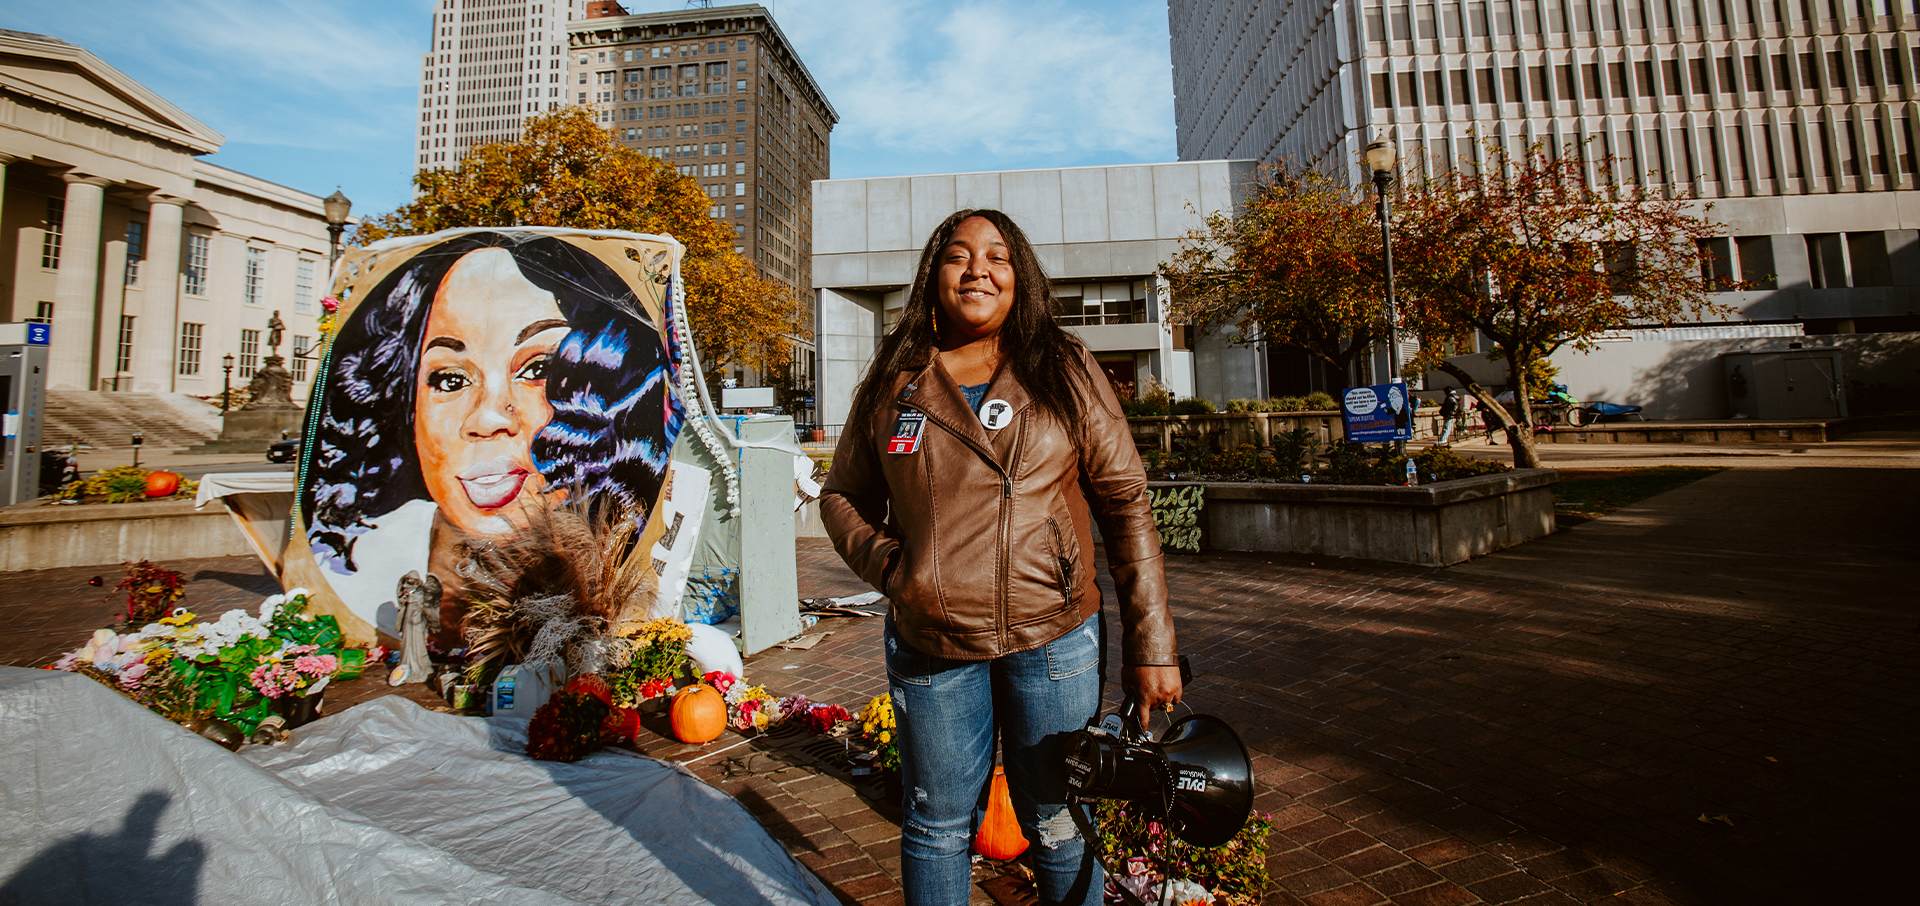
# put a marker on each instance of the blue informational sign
(39, 334)
(1382, 412)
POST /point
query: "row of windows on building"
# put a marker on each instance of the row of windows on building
(713, 71)
(194, 274)
(1833, 150)
(663, 92)
(192, 336)
(1834, 261)
(667, 152)
(1528, 18)
(666, 51)
(1615, 81)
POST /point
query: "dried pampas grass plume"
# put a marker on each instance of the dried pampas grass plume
(560, 586)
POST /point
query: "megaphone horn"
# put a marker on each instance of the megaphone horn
(1212, 780)
(1199, 778)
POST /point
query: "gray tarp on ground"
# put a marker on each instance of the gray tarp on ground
(103, 801)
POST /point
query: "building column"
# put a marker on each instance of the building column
(76, 296)
(153, 364)
(6, 159)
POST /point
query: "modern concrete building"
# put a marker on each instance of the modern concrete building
(1795, 120)
(149, 263)
(490, 64)
(1101, 233)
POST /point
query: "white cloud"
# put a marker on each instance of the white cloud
(993, 77)
(267, 71)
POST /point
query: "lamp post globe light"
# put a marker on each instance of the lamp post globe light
(337, 206)
(1381, 158)
(226, 389)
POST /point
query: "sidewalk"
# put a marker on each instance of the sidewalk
(1546, 725)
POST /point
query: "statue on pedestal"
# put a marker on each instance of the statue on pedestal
(272, 384)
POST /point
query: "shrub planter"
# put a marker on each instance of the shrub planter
(1231, 430)
(1437, 524)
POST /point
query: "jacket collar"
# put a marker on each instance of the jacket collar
(934, 391)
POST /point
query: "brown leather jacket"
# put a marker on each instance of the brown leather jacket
(991, 529)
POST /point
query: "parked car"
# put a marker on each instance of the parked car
(284, 450)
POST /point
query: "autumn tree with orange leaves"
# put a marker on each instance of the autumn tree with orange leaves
(565, 171)
(1299, 264)
(1530, 253)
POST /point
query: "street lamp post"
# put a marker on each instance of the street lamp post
(1380, 159)
(337, 207)
(226, 390)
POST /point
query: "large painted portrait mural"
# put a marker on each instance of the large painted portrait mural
(474, 377)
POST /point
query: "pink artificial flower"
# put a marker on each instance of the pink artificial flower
(330, 304)
(67, 661)
(721, 680)
(132, 676)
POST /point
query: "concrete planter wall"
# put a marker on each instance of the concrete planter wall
(49, 537)
(1230, 430)
(1438, 524)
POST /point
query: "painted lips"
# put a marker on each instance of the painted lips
(492, 484)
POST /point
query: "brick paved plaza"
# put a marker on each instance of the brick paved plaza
(1547, 725)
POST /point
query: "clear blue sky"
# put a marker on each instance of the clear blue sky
(318, 95)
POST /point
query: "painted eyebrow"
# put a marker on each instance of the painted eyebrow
(538, 327)
(448, 342)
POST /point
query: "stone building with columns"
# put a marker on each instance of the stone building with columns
(149, 263)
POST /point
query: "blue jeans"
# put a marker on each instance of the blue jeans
(947, 712)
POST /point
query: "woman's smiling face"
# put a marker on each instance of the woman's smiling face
(482, 394)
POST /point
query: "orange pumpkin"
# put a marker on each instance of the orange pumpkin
(162, 484)
(999, 837)
(698, 714)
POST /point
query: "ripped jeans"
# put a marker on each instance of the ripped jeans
(946, 712)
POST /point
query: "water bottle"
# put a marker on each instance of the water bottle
(1413, 474)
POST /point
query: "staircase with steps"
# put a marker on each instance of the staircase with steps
(170, 421)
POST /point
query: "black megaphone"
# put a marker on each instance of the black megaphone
(1198, 778)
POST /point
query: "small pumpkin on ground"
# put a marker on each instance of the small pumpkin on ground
(698, 714)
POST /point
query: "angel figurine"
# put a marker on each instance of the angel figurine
(419, 601)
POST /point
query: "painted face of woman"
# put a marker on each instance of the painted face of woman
(482, 391)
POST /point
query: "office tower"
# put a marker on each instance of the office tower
(491, 64)
(721, 95)
(1796, 119)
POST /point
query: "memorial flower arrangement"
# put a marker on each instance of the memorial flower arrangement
(230, 669)
(877, 726)
(656, 653)
(1234, 873)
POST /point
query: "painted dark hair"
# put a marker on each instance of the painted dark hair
(608, 383)
(1042, 355)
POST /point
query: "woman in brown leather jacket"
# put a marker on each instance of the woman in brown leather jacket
(983, 444)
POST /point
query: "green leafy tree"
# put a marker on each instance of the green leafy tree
(566, 171)
(1299, 264)
(1529, 253)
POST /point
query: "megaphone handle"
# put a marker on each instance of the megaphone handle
(1129, 713)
